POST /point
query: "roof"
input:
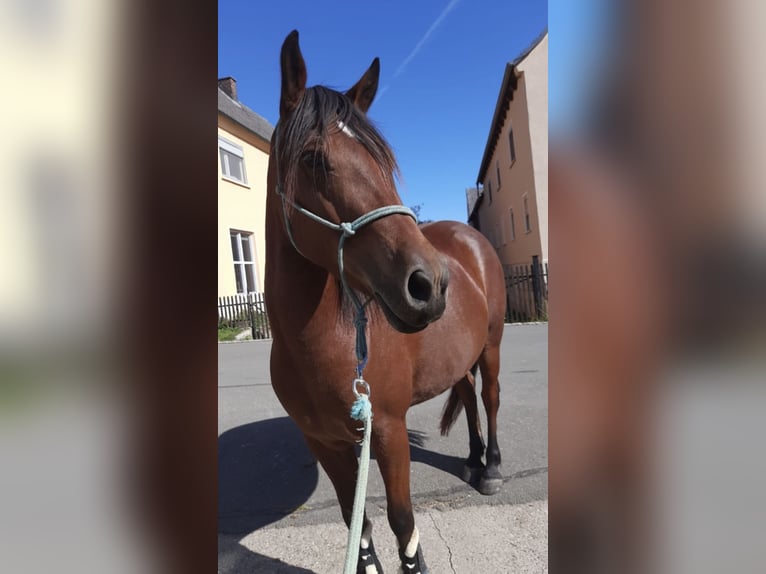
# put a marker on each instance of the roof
(521, 57)
(507, 88)
(244, 116)
(473, 197)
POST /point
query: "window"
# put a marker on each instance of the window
(232, 161)
(527, 224)
(244, 261)
(497, 167)
(489, 188)
(513, 227)
(511, 144)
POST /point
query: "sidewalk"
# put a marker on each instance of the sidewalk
(503, 539)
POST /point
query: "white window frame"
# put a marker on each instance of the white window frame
(511, 144)
(513, 225)
(527, 217)
(240, 262)
(235, 150)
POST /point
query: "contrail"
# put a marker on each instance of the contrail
(428, 33)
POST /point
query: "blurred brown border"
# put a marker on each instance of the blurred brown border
(169, 121)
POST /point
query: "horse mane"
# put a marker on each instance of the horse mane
(317, 115)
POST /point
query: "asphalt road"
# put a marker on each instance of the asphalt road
(269, 482)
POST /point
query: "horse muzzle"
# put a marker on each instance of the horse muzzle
(421, 300)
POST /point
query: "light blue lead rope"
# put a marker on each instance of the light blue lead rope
(360, 411)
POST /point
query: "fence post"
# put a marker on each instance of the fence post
(537, 287)
(251, 315)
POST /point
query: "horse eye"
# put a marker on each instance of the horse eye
(313, 158)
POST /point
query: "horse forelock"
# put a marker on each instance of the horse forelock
(320, 112)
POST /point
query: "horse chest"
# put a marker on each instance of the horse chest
(314, 386)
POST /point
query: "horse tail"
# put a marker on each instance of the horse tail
(453, 407)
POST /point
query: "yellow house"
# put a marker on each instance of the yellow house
(509, 205)
(243, 156)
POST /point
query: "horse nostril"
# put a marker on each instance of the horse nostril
(419, 286)
(444, 282)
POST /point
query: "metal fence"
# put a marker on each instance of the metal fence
(526, 292)
(242, 311)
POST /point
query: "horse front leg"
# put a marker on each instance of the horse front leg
(392, 451)
(340, 464)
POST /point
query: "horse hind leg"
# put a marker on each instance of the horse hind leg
(464, 394)
(341, 466)
(489, 363)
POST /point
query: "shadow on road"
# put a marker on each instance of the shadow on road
(447, 463)
(233, 558)
(265, 471)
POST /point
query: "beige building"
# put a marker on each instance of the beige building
(509, 204)
(243, 156)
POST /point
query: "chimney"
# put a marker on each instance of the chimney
(229, 86)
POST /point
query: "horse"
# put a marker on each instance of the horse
(435, 300)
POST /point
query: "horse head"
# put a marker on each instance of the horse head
(332, 163)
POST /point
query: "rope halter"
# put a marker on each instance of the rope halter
(346, 230)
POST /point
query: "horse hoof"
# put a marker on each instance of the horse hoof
(368, 561)
(471, 474)
(413, 565)
(490, 486)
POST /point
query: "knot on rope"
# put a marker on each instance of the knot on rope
(347, 229)
(361, 410)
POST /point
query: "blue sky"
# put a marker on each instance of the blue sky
(442, 62)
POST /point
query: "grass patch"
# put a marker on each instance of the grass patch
(228, 333)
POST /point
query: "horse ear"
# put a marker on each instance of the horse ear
(365, 89)
(293, 74)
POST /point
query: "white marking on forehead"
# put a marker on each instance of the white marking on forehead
(346, 130)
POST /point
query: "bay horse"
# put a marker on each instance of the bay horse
(436, 301)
